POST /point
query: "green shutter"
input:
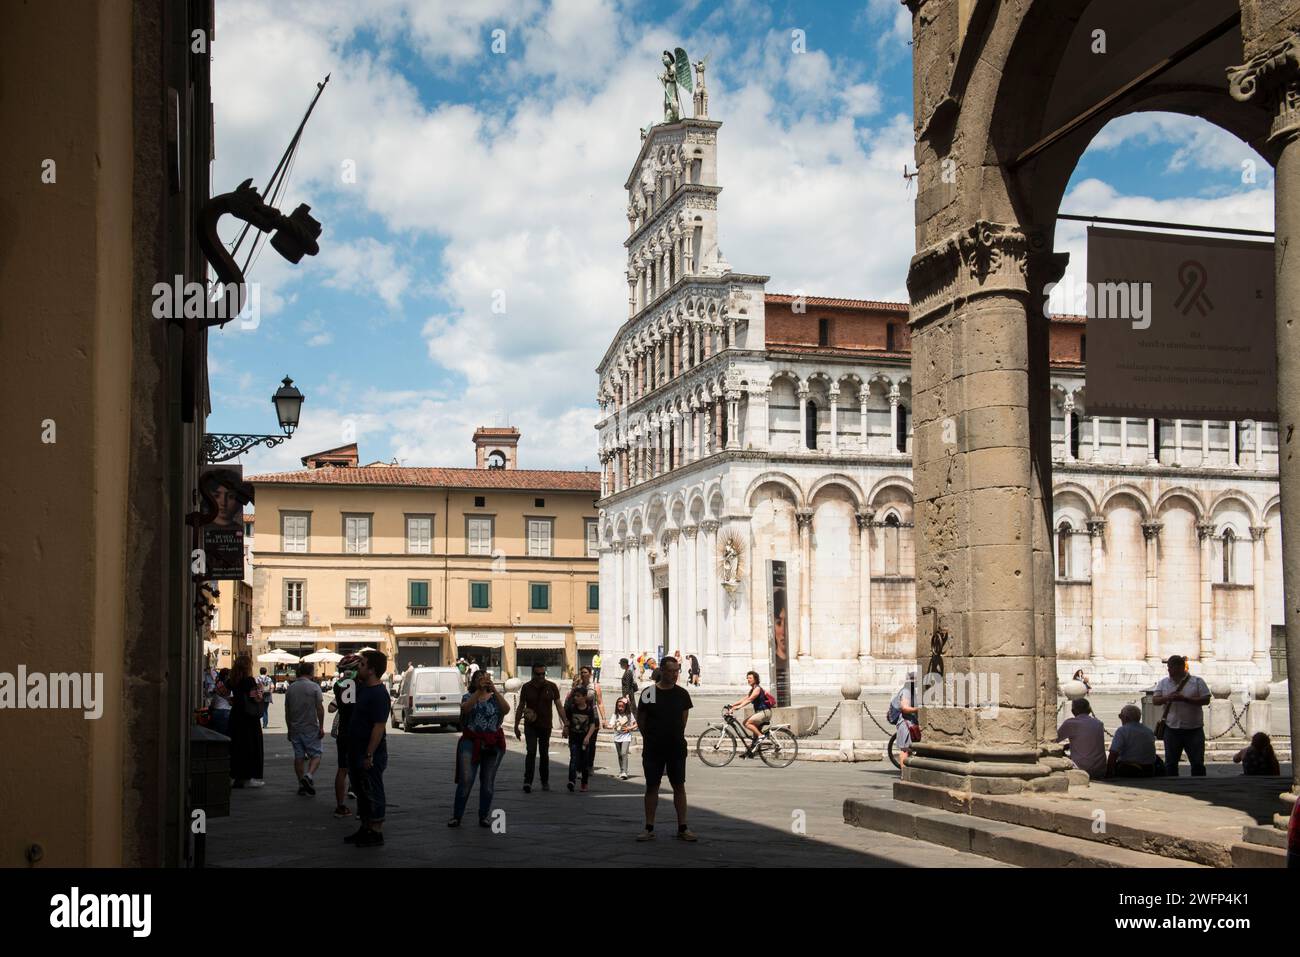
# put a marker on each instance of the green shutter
(593, 597)
(419, 594)
(478, 595)
(541, 598)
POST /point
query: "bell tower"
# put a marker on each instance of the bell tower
(496, 448)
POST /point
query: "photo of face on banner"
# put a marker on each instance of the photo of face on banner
(779, 624)
(224, 492)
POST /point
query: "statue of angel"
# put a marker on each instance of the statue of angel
(676, 75)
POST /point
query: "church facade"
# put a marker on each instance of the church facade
(739, 426)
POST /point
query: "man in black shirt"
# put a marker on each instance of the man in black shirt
(536, 699)
(662, 711)
(367, 748)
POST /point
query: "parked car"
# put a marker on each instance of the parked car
(428, 696)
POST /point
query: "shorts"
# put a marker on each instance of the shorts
(761, 718)
(904, 740)
(655, 765)
(305, 745)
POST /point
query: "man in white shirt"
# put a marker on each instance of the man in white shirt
(1184, 695)
(1133, 749)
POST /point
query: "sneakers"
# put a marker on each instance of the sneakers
(302, 787)
(687, 835)
(584, 786)
(646, 836)
(355, 835)
(453, 822)
(342, 811)
(484, 822)
(351, 795)
(570, 785)
(306, 783)
(257, 783)
(370, 839)
(623, 776)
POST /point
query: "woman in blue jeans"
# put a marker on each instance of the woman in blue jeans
(482, 745)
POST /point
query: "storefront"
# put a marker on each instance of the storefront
(544, 648)
(588, 643)
(421, 647)
(485, 647)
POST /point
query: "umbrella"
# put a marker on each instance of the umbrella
(278, 656)
(333, 657)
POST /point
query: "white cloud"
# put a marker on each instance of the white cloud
(1196, 142)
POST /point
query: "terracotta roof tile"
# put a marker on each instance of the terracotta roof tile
(781, 298)
(522, 479)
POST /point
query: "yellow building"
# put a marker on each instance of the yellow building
(429, 565)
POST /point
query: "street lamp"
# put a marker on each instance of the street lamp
(224, 446)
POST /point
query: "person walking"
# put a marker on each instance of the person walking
(693, 674)
(1183, 695)
(662, 712)
(345, 696)
(623, 724)
(902, 715)
(627, 684)
(267, 687)
(581, 724)
(304, 713)
(245, 726)
(481, 746)
(536, 699)
(367, 748)
(595, 667)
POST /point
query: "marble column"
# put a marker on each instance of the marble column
(733, 419)
(1151, 532)
(758, 416)
(835, 415)
(647, 586)
(1178, 441)
(894, 398)
(690, 635)
(1234, 453)
(864, 519)
(619, 630)
(805, 518)
(1205, 535)
(675, 579)
(709, 547)
(1271, 78)
(862, 421)
(1096, 438)
(1259, 619)
(1123, 440)
(1153, 453)
(1068, 422)
(1097, 534)
(1205, 442)
(803, 417)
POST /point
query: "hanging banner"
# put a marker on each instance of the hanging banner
(224, 493)
(1178, 326)
(778, 632)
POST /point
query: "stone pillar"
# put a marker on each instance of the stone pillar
(804, 517)
(706, 440)
(647, 586)
(1259, 620)
(675, 578)
(1151, 532)
(1205, 534)
(1205, 442)
(1068, 421)
(1178, 441)
(894, 398)
(1097, 534)
(983, 537)
(733, 419)
(758, 416)
(865, 519)
(863, 395)
(631, 585)
(803, 417)
(1153, 453)
(835, 415)
(709, 574)
(1234, 454)
(1123, 440)
(1096, 438)
(616, 600)
(691, 605)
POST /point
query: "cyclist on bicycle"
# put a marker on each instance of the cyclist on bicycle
(762, 702)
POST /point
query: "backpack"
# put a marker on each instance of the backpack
(769, 702)
(895, 713)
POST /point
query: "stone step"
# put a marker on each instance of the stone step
(1009, 843)
(1257, 855)
(1264, 834)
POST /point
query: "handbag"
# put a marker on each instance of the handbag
(1160, 725)
(913, 731)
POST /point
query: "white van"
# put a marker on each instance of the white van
(428, 696)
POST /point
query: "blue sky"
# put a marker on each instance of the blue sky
(493, 178)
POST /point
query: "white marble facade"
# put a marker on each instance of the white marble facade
(1168, 533)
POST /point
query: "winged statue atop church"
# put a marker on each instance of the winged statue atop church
(675, 78)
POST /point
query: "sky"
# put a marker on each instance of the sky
(467, 162)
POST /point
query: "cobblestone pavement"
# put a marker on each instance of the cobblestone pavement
(745, 815)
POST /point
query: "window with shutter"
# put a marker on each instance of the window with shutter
(539, 537)
(419, 536)
(356, 530)
(295, 533)
(480, 536)
(593, 540)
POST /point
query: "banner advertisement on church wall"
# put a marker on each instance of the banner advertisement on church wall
(225, 493)
(778, 632)
(1178, 326)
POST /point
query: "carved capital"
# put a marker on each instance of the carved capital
(1204, 530)
(1096, 526)
(1257, 532)
(672, 534)
(690, 531)
(984, 259)
(710, 525)
(804, 516)
(1151, 529)
(865, 518)
(1272, 78)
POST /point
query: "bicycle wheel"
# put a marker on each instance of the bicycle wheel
(780, 750)
(893, 757)
(716, 747)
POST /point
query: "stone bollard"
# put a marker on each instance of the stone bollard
(850, 717)
(1260, 716)
(1221, 710)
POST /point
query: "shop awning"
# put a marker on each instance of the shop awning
(538, 640)
(480, 639)
(588, 641)
(301, 638)
(419, 630)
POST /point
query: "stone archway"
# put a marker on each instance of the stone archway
(1007, 97)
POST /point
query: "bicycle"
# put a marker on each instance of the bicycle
(717, 745)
